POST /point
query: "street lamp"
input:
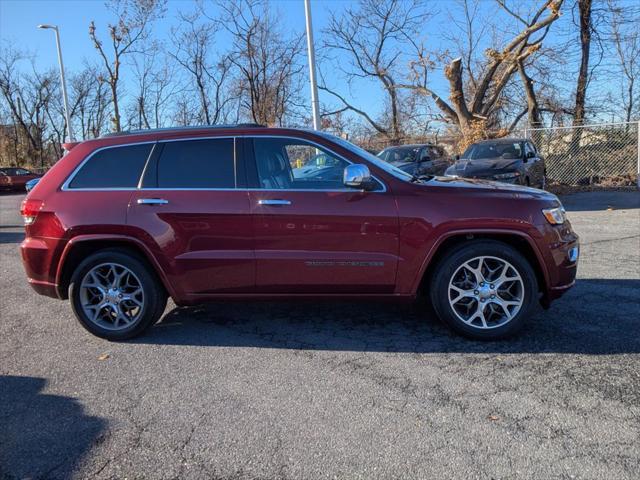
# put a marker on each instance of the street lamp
(315, 108)
(64, 83)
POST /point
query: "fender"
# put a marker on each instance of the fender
(120, 238)
(474, 231)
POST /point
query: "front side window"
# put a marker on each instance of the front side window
(197, 164)
(361, 152)
(285, 163)
(114, 167)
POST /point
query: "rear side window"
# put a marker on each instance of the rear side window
(116, 167)
(197, 164)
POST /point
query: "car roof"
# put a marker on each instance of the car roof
(187, 129)
(501, 140)
(411, 145)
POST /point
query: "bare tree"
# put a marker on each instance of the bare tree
(473, 106)
(27, 98)
(625, 36)
(373, 36)
(90, 102)
(265, 59)
(130, 30)
(209, 77)
(584, 7)
(155, 88)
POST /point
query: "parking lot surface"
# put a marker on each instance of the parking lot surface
(323, 390)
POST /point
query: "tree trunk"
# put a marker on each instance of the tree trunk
(583, 75)
(116, 110)
(533, 110)
(585, 46)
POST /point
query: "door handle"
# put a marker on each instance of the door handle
(152, 201)
(274, 202)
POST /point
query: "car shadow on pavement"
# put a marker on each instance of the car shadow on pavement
(595, 201)
(11, 237)
(42, 435)
(596, 317)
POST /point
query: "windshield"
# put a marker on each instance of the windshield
(400, 154)
(493, 150)
(387, 167)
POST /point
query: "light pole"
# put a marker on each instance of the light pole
(62, 80)
(315, 107)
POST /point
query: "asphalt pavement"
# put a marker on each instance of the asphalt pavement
(326, 390)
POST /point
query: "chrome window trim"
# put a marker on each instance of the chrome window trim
(65, 186)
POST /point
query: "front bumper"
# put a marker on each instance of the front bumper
(561, 259)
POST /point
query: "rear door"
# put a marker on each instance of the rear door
(193, 211)
(312, 234)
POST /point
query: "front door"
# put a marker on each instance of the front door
(313, 234)
(195, 217)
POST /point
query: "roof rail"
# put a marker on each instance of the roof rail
(182, 129)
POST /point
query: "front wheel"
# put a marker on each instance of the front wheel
(484, 289)
(114, 295)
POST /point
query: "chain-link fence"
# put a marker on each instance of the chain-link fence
(605, 155)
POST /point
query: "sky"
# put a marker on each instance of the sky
(18, 20)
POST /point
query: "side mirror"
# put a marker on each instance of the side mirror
(357, 176)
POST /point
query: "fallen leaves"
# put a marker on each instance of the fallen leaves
(103, 356)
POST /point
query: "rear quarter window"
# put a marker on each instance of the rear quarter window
(113, 167)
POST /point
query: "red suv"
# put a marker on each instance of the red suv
(243, 212)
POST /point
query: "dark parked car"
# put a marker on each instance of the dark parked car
(31, 183)
(203, 214)
(318, 167)
(417, 160)
(15, 179)
(509, 160)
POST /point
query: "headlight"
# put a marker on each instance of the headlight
(555, 216)
(507, 175)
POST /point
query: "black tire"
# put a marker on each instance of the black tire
(454, 258)
(154, 294)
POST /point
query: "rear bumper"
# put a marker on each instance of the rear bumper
(44, 288)
(40, 259)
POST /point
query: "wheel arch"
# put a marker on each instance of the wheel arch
(78, 248)
(522, 242)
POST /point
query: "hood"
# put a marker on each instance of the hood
(485, 166)
(516, 191)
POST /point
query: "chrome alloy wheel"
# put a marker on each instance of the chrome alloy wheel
(111, 296)
(486, 292)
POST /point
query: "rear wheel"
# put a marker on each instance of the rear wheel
(114, 295)
(484, 289)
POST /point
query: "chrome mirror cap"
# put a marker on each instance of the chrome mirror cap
(357, 175)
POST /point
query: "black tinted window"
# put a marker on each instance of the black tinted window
(116, 167)
(197, 164)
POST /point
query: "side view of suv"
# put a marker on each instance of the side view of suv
(122, 222)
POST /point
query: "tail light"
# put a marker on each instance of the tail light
(30, 209)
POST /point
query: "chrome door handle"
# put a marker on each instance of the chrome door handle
(152, 201)
(274, 202)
